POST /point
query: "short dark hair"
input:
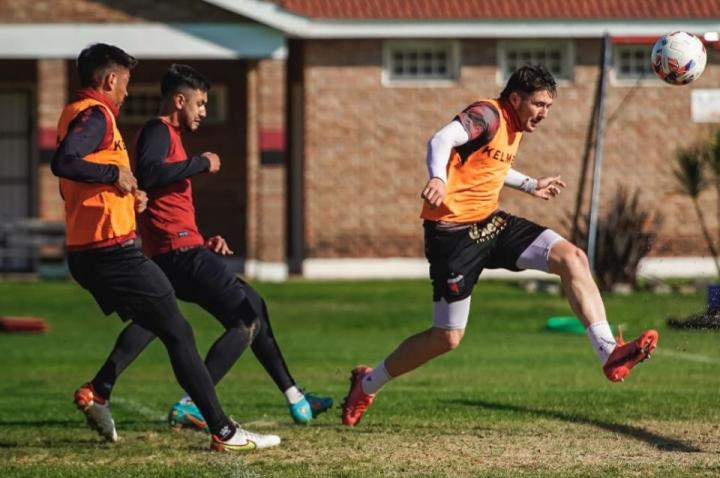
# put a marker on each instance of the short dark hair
(182, 76)
(95, 61)
(529, 79)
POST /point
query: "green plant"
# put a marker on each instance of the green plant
(624, 236)
(691, 177)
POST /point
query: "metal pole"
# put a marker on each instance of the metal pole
(597, 167)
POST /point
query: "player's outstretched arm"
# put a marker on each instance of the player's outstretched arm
(543, 188)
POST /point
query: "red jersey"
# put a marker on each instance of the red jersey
(163, 170)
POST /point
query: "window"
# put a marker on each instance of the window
(556, 56)
(420, 62)
(632, 62)
(143, 102)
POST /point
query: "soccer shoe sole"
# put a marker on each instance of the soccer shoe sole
(221, 447)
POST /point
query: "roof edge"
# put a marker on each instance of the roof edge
(295, 25)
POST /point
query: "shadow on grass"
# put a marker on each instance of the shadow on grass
(70, 423)
(56, 443)
(658, 441)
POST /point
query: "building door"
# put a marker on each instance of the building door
(17, 177)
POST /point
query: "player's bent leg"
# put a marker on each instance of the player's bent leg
(303, 407)
(97, 412)
(163, 318)
(421, 348)
(617, 357)
(571, 264)
(449, 321)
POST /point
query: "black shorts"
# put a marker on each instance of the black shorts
(200, 276)
(458, 257)
(121, 279)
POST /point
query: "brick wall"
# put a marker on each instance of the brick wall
(266, 172)
(270, 173)
(365, 147)
(51, 99)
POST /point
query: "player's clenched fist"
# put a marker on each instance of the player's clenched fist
(141, 200)
(214, 162)
(434, 192)
(125, 182)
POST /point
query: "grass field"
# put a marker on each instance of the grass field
(512, 400)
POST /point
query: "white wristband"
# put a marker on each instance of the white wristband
(518, 180)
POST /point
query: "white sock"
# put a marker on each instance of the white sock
(293, 395)
(186, 399)
(374, 381)
(602, 339)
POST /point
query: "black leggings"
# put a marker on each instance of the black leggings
(199, 276)
(223, 354)
(164, 320)
(122, 279)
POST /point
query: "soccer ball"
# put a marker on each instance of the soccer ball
(678, 58)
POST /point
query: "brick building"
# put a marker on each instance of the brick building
(322, 110)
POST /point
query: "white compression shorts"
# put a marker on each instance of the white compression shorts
(537, 254)
(451, 316)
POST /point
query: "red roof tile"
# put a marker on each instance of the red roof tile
(502, 9)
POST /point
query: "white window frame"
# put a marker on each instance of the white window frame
(567, 52)
(649, 79)
(451, 47)
(216, 114)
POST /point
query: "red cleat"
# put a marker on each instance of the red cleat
(357, 401)
(627, 355)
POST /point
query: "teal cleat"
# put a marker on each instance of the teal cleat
(305, 410)
(187, 415)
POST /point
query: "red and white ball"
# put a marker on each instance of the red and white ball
(678, 58)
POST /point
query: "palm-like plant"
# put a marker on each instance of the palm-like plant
(713, 160)
(691, 176)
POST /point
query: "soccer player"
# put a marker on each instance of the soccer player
(469, 161)
(101, 196)
(170, 237)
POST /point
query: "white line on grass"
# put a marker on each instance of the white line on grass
(689, 357)
(138, 408)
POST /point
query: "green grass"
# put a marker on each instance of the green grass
(512, 400)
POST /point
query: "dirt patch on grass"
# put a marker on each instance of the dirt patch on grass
(542, 447)
(545, 446)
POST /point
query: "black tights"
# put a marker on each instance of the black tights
(163, 319)
(223, 354)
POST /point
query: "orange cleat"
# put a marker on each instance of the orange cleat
(627, 355)
(357, 401)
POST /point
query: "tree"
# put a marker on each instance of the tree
(625, 234)
(691, 178)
